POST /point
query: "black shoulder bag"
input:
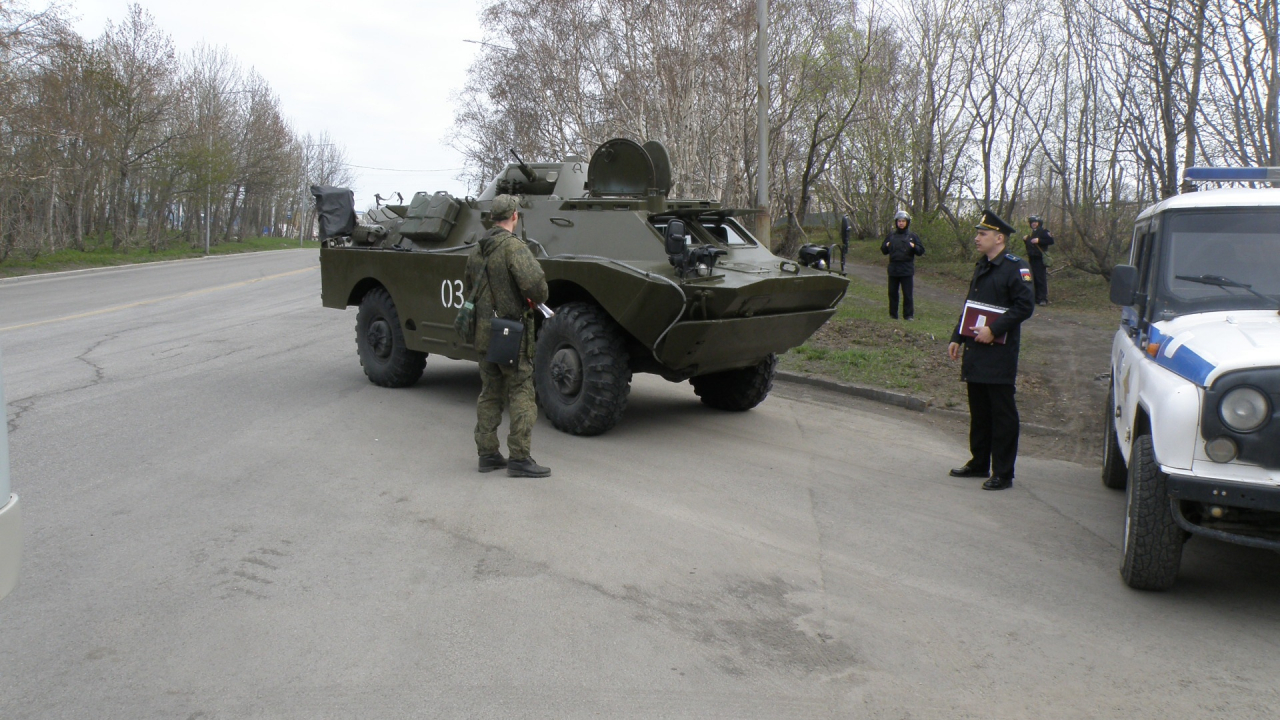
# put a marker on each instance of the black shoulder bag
(506, 337)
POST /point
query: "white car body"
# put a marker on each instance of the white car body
(1193, 331)
(1195, 350)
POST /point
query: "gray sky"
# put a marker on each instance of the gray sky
(377, 75)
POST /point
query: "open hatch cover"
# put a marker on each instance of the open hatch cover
(624, 167)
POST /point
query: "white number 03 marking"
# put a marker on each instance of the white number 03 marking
(451, 293)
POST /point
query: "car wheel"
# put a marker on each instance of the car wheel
(1152, 538)
(380, 343)
(581, 370)
(737, 390)
(1114, 473)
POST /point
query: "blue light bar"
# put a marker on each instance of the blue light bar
(1230, 174)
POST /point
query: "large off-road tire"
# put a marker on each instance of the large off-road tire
(1114, 473)
(380, 343)
(737, 390)
(581, 370)
(1152, 538)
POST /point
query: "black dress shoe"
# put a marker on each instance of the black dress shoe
(489, 463)
(966, 471)
(998, 483)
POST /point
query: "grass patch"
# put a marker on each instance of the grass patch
(103, 256)
(862, 344)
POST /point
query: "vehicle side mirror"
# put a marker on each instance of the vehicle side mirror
(1124, 285)
(675, 237)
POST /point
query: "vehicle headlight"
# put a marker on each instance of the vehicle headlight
(1244, 409)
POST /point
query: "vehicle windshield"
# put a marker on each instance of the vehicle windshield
(729, 234)
(726, 233)
(1239, 246)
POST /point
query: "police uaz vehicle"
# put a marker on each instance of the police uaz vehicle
(1193, 414)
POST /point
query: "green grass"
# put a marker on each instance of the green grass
(103, 256)
(941, 267)
(862, 344)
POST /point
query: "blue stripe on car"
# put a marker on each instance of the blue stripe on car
(1157, 337)
(1187, 363)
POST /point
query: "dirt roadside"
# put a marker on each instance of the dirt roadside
(1062, 381)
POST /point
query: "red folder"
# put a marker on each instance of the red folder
(976, 315)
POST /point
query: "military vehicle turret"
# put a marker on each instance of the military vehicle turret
(639, 282)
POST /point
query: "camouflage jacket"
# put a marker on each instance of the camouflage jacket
(506, 273)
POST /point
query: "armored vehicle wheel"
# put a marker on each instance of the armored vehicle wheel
(380, 343)
(737, 390)
(581, 370)
(1114, 472)
(1152, 538)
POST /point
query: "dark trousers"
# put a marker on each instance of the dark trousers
(908, 299)
(1040, 277)
(993, 428)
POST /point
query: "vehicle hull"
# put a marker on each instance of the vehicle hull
(730, 320)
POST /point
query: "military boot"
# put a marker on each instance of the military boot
(527, 467)
(489, 463)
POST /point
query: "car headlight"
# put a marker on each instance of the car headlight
(1244, 409)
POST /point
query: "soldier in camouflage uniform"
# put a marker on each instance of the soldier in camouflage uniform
(509, 278)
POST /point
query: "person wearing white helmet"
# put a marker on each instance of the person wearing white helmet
(902, 246)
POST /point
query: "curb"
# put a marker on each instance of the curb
(889, 397)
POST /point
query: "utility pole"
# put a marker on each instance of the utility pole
(208, 193)
(763, 221)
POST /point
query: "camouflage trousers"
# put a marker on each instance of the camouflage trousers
(512, 389)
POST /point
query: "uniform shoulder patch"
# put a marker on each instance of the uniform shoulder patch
(1012, 257)
(1025, 273)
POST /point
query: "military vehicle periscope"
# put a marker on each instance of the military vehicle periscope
(639, 282)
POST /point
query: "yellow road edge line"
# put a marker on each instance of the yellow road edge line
(153, 301)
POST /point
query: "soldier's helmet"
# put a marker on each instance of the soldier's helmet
(503, 207)
(902, 215)
(1035, 219)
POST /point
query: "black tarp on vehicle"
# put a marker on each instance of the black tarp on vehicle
(335, 209)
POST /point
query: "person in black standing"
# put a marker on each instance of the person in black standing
(990, 367)
(902, 246)
(1037, 242)
(846, 229)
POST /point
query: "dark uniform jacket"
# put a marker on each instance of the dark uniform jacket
(902, 257)
(1037, 250)
(1005, 282)
(506, 274)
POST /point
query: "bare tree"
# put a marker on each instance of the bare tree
(139, 101)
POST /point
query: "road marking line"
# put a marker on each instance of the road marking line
(153, 301)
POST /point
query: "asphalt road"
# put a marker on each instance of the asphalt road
(225, 519)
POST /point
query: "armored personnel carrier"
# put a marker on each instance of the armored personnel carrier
(639, 282)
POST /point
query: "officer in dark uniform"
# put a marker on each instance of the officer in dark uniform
(902, 246)
(846, 229)
(1037, 242)
(990, 368)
